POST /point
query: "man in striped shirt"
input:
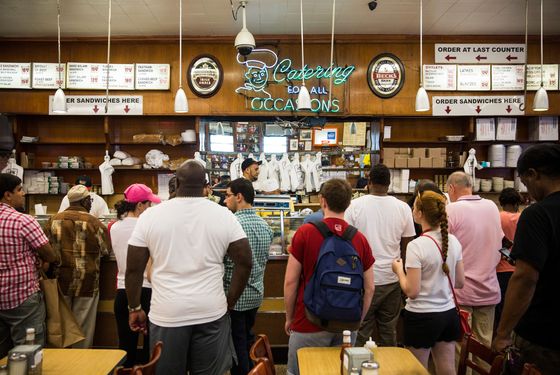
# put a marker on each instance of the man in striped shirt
(22, 243)
(239, 199)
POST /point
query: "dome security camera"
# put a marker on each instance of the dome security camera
(372, 5)
(244, 42)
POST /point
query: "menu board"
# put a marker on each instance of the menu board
(152, 77)
(93, 76)
(550, 76)
(440, 77)
(507, 77)
(473, 77)
(15, 75)
(47, 76)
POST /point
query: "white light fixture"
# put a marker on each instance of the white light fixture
(59, 101)
(244, 41)
(181, 103)
(108, 56)
(540, 101)
(422, 100)
(303, 100)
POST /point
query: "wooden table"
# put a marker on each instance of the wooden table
(82, 361)
(326, 361)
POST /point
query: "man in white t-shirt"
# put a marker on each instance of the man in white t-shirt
(388, 226)
(98, 205)
(187, 238)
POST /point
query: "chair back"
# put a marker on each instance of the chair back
(530, 369)
(470, 345)
(261, 349)
(147, 369)
(262, 368)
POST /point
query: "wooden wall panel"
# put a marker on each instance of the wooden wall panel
(357, 50)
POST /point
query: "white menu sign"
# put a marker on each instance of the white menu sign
(440, 77)
(477, 105)
(152, 77)
(93, 76)
(473, 77)
(550, 76)
(15, 75)
(508, 77)
(47, 76)
(480, 53)
(92, 105)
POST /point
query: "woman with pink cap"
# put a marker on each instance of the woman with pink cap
(137, 199)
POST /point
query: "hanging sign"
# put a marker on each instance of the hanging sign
(15, 75)
(459, 53)
(92, 105)
(385, 75)
(440, 77)
(93, 76)
(205, 75)
(550, 76)
(49, 76)
(473, 77)
(508, 77)
(477, 105)
(152, 77)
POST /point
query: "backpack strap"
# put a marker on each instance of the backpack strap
(322, 227)
(349, 233)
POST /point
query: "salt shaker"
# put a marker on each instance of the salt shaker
(370, 368)
(17, 364)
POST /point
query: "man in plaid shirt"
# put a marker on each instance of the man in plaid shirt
(22, 242)
(239, 199)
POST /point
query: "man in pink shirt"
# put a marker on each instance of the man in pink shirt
(476, 223)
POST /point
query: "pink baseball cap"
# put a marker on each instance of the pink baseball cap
(139, 193)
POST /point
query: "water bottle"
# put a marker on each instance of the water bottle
(30, 336)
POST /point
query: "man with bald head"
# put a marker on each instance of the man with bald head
(187, 238)
(475, 222)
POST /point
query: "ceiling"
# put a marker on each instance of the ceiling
(37, 18)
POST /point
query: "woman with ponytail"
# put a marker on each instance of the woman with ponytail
(431, 322)
(137, 199)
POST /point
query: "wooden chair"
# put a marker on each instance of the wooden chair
(530, 369)
(262, 368)
(261, 349)
(471, 346)
(147, 369)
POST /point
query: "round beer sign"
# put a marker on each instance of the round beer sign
(385, 75)
(205, 75)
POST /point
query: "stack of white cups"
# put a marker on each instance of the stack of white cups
(512, 154)
(497, 155)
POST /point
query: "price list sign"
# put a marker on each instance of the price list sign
(550, 76)
(440, 77)
(49, 76)
(152, 77)
(15, 75)
(93, 76)
(508, 77)
(473, 77)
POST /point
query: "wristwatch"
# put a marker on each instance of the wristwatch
(134, 309)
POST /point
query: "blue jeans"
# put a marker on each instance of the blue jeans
(14, 322)
(242, 323)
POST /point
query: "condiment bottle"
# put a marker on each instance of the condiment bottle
(30, 336)
(346, 343)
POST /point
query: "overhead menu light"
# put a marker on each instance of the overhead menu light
(303, 100)
(181, 103)
(59, 101)
(422, 100)
(540, 102)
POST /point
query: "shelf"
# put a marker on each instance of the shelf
(61, 143)
(299, 205)
(60, 169)
(333, 169)
(416, 141)
(152, 143)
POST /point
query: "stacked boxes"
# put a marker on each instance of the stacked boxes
(543, 129)
(417, 157)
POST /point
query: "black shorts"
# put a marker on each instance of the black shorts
(423, 330)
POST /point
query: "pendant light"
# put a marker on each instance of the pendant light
(181, 104)
(523, 105)
(108, 56)
(331, 67)
(540, 102)
(303, 100)
(422, 101)
(59, 101)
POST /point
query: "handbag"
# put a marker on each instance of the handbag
(464, 315)
(63, 329)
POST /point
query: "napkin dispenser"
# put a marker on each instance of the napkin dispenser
(354, 357)
(34, 355)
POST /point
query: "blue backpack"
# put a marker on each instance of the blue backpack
(333, 297)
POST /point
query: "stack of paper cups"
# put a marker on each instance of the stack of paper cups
(512, 154)
(518, 184)
(497, 155)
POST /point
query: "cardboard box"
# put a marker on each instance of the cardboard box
(389, 162)
(506, 129)
(425, 162)
(401, 163)
(314, 198)
(404, 150)
(433, 152)
(438, 162)
(418, 152)
(413, 162)
(390, 153)
(485, 129)
(543, 128)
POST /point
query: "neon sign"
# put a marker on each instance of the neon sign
(257, 78)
